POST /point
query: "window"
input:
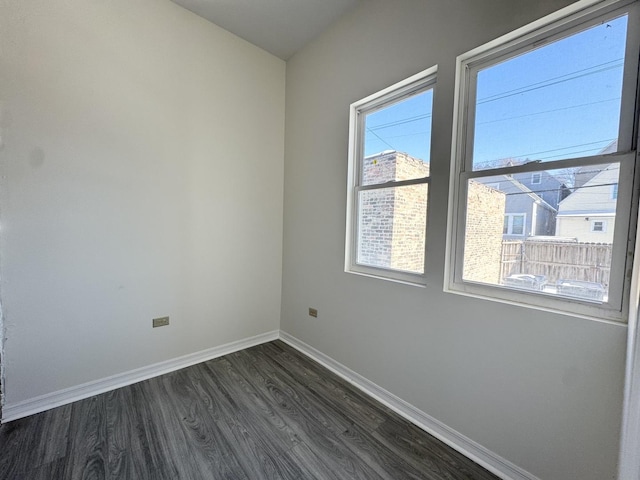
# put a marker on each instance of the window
(387, 201)
(599, 226)
(557, 100)
(514, 224)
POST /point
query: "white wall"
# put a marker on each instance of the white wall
(142, 170)
(542, 390)
(581, 228)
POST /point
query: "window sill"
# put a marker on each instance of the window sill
(391, 276)
(598, 312)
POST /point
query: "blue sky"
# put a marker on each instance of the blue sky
(561, 100)
(404, 126)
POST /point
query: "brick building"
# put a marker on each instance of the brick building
(392, 222)
(484, 227)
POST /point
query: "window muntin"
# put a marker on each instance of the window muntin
(603, 295)
(389, 166)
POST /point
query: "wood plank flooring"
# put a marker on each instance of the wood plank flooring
(267, 412)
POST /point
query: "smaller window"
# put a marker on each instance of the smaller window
(614, 191)
(514, 224)
(389, 176)
(599, 226)
(536, 178)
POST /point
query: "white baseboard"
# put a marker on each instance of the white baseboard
(62, 397)
(489, 460)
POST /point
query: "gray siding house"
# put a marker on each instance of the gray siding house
(531, 206)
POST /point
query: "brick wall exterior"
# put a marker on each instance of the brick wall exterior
(375, 228)
(393, 220)
(392, 223)
(483, 237)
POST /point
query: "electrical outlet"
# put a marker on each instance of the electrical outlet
(160, 322)
(313, 312)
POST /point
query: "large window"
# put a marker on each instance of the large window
(547, 115)
(389, 180)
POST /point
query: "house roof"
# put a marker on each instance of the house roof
(587, 199)
(524, 189)
(586, 173)
(533, 195)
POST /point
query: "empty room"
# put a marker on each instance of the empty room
(303, 239)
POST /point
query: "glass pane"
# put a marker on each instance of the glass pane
(553, 237)
(517, 225)
(391, 228)
(558, 101)
(397, 140)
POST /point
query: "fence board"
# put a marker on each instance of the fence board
(589, 262)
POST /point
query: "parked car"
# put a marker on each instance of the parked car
(526, 281)
(581, 289)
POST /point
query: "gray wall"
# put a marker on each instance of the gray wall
(142, 172)
(542, 390)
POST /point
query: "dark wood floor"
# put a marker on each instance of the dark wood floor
(267, 412)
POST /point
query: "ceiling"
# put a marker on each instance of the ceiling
(281, 27)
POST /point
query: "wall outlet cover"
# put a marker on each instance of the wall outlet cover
(160, 322)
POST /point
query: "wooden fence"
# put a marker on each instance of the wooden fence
(589, 262)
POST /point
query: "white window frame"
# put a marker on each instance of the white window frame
(510, 224)
(573, 18)
(420, 82)
(538, 175)
(604, 226)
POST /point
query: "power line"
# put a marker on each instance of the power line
(554, 150)
(573, 189)
(549, 82)
(509, 93)
(548, 111)
(548, 85)
(422, 132)
(553, 78)
(400, 122)
(572, 153)
(381, 139)
(518, 176)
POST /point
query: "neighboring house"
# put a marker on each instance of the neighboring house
(548, 187)
(589, 213)
(583, 174)
(531, 203)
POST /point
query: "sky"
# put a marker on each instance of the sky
(561, 100)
